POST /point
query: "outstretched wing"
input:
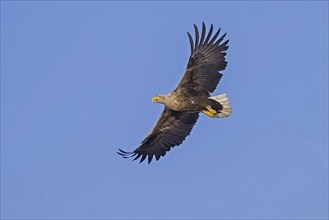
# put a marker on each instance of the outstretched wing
(206, 60)
(171, 130)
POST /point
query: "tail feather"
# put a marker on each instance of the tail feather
(225, 102)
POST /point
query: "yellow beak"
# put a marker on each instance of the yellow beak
(155, 98)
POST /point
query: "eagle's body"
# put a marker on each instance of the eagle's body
(180, 101)
(192, 96)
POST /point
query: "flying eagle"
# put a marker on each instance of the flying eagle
(192, 96)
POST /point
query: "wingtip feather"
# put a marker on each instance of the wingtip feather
(209, 34)
(125, 154)
(191, 41)
(143, 158)
(196, 36)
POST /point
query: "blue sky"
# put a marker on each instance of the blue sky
(77, 79)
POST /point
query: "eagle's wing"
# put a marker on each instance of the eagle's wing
(171, 130)
(207, 59)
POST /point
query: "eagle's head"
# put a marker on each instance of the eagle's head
(159, 99)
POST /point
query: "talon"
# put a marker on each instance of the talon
(210, 112)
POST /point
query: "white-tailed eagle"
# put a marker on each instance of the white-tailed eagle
(192, 96)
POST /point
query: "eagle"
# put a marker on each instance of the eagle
(191, 97)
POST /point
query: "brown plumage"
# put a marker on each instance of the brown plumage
(192, 96)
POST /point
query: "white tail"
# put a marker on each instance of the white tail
(225, 102)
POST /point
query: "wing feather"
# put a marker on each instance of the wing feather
(191, 41)
(220, 39)
(209, 34)
(171, 130)
(203, 33)
(207, 59)
(196, 36)
(215, 36)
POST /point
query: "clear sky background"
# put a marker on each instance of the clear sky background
(77, 79)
